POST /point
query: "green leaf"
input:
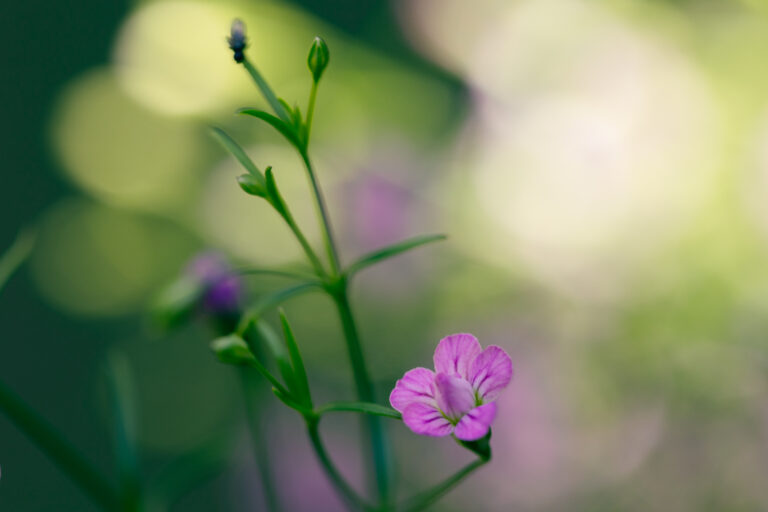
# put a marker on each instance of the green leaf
(287, 400)
(123, 401)
(278, 124)
(390, 251)
(233, 349)
(273, 194)
(251, 185)
(364, 407)
(15, 255)
(236, 151)
(276, 348)
(175, 303)
(266, 302)
(301, 391)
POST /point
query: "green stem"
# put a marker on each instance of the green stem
(60, 451)
(259, 442)
(318, 266)
(354, 501)
(266, 90)
(421, 501)
(325, 223)
(311, 110)
(365, 393)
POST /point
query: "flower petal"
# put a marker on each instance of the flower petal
(426, 420)
(475, 423)
(490, 372)
(455, 396)
(455, 353)
(417, 385)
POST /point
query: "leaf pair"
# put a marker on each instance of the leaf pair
(237, 350)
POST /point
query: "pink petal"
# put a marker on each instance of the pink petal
(455, 353)
(490, 372)
(417, 385)
(455, 396)
(426, 420)
(475, 423)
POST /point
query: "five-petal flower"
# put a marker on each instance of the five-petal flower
(457, 398)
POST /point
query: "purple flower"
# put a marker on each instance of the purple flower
(457, 398)
(222, 288)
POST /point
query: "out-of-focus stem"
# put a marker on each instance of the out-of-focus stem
(374, 430)
(59, 451)
(260, 447)
(421, 501)
(354, 502)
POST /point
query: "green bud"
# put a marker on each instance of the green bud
(318, 58)
(232, 349)
(176, 302)
(250, 185)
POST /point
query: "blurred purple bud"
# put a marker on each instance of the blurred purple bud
(223, 288)
(237, 40)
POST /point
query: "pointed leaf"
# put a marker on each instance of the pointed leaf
(392, 250)
(15, 255)
(301, 391)
(236, 151)
(273, 194)
(278, 124)
(276, 348)
(287, 400)
(233, 349)
(273, 299)
(364, 407)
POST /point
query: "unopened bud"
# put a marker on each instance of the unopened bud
(318, 58)
(237, 40)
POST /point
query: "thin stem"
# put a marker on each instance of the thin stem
(60, 451)
(258, 441)
(325, 223)
(266, 90)
(15, 255)
(352, 499)
(365, 393)
(422, 500)
(273, 272)
(311, 109)
(318, 266)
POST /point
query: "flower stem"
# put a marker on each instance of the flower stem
(422, 500)
(365, 392)
(325, 223)
(258, 441)
(311, 110)
(354, 501)
(60, 451)
(314, 260)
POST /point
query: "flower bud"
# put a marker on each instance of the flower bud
(318, 58)
(237, 40)
(232, 349)
(250, 186)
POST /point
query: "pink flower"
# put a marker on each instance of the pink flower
(457, 398)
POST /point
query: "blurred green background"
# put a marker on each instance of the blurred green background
(601, 168)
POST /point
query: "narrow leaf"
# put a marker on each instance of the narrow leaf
(266, 302)
(392, 250)
(364, 407)
(273, 194)
(301, 392)
(286, 399)
(123, 401)
(276, 348)
(233, 349)
(278, 124)
(236, 151)
(15, 255)
(251, 185)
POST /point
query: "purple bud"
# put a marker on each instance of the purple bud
(237, 40)
(223, 288)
